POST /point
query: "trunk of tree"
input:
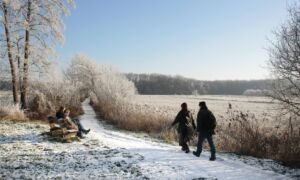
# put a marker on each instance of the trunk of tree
(10, 57)
(19, 68)
(26, 55)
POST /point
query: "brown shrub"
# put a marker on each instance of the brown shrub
(12, 112)
(131, 117)
(47, 97)
(41, 106)
(244, 134)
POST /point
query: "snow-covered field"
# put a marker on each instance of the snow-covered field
(107, 153)
(170, 104)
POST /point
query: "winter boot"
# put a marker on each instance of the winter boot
(212, 157)
(187, 150)
(86, 131)
(196, 153)
(79, 134)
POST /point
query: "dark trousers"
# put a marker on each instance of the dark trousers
(201, 137)
(80, 127)
(183, 140)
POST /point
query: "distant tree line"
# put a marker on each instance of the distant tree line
(165, 84)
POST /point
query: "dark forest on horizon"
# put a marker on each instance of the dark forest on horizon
(159, 84)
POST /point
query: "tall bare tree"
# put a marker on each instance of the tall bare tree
(8, 22)
(26, 55)
(37, 28)
(285, 62)
(43, 29)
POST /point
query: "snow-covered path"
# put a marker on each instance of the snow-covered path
(164, 161)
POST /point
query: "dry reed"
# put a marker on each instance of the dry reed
(12, 112)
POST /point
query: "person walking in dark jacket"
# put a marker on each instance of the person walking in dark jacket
(185, 121)
(206, 123)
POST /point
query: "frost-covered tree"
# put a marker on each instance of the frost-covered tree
(8, 22)
(285, 62)
(43, 27)
(83, 72)
(107, 83)
(34, 29)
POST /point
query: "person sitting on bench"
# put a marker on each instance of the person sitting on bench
(67, 122)
(81, 130)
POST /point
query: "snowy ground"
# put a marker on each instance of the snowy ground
(25, 154)
(111, 154)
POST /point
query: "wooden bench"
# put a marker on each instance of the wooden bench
(60, 133)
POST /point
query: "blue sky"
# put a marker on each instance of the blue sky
(202, 39)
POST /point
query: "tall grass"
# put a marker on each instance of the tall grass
(12, 112)
(245, 134)
(131, 117)
(9, 111)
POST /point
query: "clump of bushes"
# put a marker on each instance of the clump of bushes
(131, 117)
(111, 99)
(47, 97)
(111, 95)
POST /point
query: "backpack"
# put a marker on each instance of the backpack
(213, 121)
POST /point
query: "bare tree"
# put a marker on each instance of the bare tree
(7, 22)
(43, 29)
(32, 30)
(284, 62)
(82, 72)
